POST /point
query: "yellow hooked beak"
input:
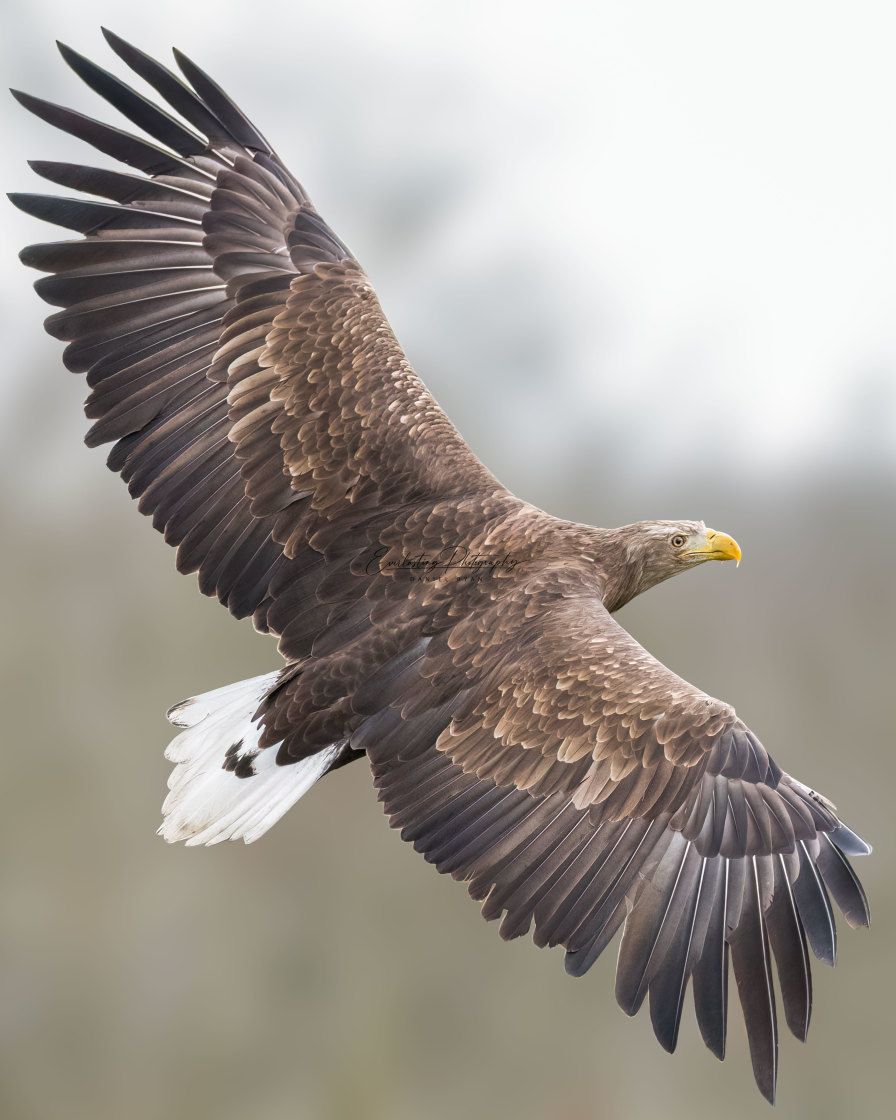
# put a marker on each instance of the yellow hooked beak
(717, 546)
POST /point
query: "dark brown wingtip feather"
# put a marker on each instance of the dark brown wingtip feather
(153, 120)
(114, 41)
(31, 254)
(110, 141)
(843, 883)
(89, 180)
(86, 216)
(814, 908)
(710, 976)
(751, 962)
(26, 100)
(849, 843)
(669, 984)
(19, 199)
(791, 952)
(70, 213)
(230, 115)
(178, 95)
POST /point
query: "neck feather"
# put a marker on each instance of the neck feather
(627, 566)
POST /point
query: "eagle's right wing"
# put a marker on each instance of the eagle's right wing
(237, 355)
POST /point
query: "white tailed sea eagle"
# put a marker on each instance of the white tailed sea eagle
(461, 640)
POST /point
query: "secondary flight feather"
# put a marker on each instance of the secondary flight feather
(460, 640)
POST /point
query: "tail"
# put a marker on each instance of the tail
(224, 786)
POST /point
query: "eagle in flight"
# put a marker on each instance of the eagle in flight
(264, 416)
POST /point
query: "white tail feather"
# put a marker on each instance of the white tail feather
(208, 804)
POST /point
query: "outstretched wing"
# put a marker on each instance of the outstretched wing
(578, 786)
(237, 356)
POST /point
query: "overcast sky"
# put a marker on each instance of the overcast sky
(598, 210)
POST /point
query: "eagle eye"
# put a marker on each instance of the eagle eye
(678, 540)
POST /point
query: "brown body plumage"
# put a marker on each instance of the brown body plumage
(264, 415)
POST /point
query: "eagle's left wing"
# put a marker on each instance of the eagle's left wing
(538, 752)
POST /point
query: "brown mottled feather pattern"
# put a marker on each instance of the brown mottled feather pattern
(263, 413)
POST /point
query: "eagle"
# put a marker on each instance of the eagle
(459, 639)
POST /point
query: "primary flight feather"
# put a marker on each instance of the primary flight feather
(460, 639)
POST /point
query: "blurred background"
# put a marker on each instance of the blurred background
(643, 254)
